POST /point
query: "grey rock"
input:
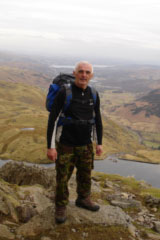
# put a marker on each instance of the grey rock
(152, 201)
(123, 201)
(132, 230)
(25, 174)
(84, 234)
(140, 219)
(38, 224)
(5, 233)
(96, 178)
(108, 184)
(35, 196)
(12, 203)
(26, 212)
(120, 204)
(3, 206)
(154, 209)
(108, 215)
(45, 238)
(144, 184)
(96, 186)
(157, 226)
(10, 224)
(144, 211)
(153, 236)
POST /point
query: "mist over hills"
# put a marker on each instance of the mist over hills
(112, 73)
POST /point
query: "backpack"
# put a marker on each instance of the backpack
(58, 82)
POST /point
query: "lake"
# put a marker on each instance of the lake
(150, 173)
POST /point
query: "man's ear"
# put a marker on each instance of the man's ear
(74, 73)
(92, 75)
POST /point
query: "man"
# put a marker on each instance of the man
(74, 142)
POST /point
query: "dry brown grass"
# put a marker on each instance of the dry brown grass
(24, 107)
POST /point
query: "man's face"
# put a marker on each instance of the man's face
(82, 75)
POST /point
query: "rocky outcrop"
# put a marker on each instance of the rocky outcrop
(152, 201)
(123, 200)
(43, 222)
(27, 174)
(27, 207)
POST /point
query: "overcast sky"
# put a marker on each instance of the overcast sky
(123, 29)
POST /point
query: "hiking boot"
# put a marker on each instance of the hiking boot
(60, 214)
(87, 204)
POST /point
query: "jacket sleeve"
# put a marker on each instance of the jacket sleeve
(53, 116)
(98, 120)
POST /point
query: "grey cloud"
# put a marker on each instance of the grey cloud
(123, 29)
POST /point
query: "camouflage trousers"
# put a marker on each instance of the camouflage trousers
(68, 158)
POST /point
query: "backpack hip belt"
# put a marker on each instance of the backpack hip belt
(66, 121)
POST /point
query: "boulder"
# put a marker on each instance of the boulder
(107, 215)
(153, 236)
(45, 221)
(152, 202)
(157, 226)
(27, 174)
(37, 225)
(4, 210)
(27, 206)
(123, 200)
(5, 233)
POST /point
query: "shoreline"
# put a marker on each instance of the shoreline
(113, 158)
(125, 159)
(139, 170)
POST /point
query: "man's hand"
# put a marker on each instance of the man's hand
(99, 150)
(52, 154)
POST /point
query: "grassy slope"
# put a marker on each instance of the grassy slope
(22, 74)
(147, 127)
(119, 139)
(122, 107)
(23, 106)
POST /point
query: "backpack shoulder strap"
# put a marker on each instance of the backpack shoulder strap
(68, 98)
(68, 88)
(94, 94)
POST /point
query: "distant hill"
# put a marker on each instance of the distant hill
(38, 71)
(151, 104)
(27, 76)
(135, 79)
(24, 69)
(143, 113)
